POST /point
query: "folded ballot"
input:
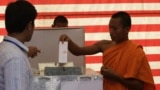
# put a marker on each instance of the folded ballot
(63, 49)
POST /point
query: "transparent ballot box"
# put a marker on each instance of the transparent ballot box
(90, 81)
(68, 82)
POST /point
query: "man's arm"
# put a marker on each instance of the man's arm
(86, 50)
(77, 50)
(130, 83)
(33, 51)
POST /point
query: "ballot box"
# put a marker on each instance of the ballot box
(90, 81)
(50, 75)
(47, 40)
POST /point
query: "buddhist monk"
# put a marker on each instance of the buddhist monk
(125, 65)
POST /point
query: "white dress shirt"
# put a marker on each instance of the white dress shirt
(15, 70)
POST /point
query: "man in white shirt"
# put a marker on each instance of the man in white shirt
(15, 70)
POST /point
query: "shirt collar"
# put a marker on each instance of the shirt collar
(17, 42)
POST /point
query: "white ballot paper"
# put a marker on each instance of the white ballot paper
(63, 49)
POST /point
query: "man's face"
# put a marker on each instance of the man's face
(117, 32)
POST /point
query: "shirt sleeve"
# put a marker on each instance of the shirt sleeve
(15, 74)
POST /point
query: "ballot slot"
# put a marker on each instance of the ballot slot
(49, 71)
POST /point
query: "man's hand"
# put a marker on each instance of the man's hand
(130, 83)
(109, 73)
(33, 51)
(64, 37)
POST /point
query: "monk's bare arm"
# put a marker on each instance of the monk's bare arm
(86, 50)
(130, 83)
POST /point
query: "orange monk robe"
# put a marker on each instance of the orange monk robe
(128, 60)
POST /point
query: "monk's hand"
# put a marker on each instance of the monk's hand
(64, 37)
(108, 73)
(33, 51)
